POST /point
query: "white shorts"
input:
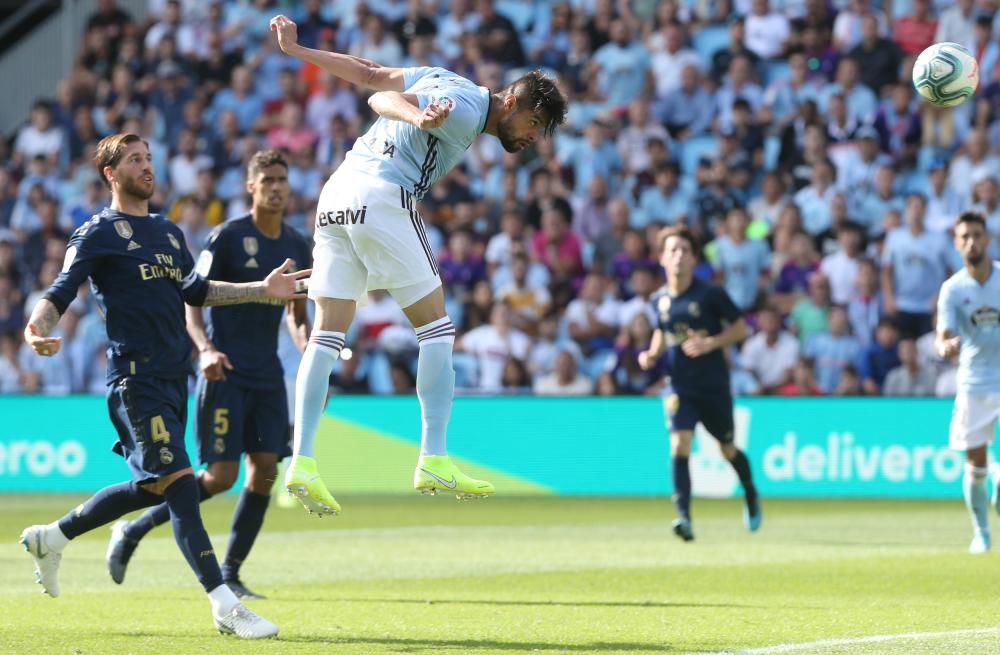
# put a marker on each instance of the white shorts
(973, 420)
(369, 236)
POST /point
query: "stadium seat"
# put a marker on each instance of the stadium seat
(704, 145)
(708, 40)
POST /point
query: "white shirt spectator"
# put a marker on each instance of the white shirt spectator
(766, 35)
(184, 172)
(902, 382)
(667, 68)
(492, 350)
(608, 312)
(31, 141)
(770, 364)
(842, 271)
(629, 309)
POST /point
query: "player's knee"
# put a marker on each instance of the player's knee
(219, 477)
(680, 444)
(260, 479)
(728, 450)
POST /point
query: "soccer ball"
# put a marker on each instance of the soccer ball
(946, 74)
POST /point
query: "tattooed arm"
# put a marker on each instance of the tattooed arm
(277, 288)
(44, 318)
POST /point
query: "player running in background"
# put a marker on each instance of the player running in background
(968, 325)
(369, 236)
(242, 406)
(142, 275)
(697, 321)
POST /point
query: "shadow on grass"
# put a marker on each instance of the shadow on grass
(472, 645)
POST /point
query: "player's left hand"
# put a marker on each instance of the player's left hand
(433, 116)
(286, 286)
(696, 345)
(287, 31)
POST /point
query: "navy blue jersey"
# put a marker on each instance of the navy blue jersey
(702, 308)
(248, 334)
(142, 274)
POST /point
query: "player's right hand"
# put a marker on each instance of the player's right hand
(287, 30)
(433, 116)
(44, 346)
(948, 348)
(213, 365)
(646, 360)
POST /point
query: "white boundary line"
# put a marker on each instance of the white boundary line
(796, 648)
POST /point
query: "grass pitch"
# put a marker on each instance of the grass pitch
(521, 575)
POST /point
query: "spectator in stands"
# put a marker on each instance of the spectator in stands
(833, 351)
(689, 109)
(642, 285)
(915, 32)
(110, 19)
(738, 85)
(850, 382)
(841, 127)
(670, 62)
(943, 201)
(631, 141)
(809, 315)
(814, 200)
(898, 125)
(956, 23)
(186, 164)
(622, 66)
(915, 263)
(803, 381)
(591, 220)
(841, 267)
(239, 98)
(856, 169)
(10, 367)
(722, 58)
(861, 101)
(864, 310)
(528, 303)
(910, 378)
(171, 23)
(566, 380)
(609, 244)
(767, 31)
(625, 376)
(666, 201)
(558, 248)
(499, 38)
(881, 356)
(741, 263)
(461, 267)
(766, 207)
(871, 208)
(878, 57)
(986, 201)
(974, 161)
(848, 28)
(713, 200)
(823, 58)
(592, 317)
(785, 95)
(40, 137)
(771, 353)
(11, 298)
(492, 344)
(35, 244)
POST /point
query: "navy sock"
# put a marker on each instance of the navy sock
(682, 487)
(105, 506)
(158, 515)
(247, 521)
(742, 466)
(189, 531)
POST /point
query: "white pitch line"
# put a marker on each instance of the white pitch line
(798, 648)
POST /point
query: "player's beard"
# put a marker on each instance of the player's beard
(135, 188)
(975, 258)
(509, 142)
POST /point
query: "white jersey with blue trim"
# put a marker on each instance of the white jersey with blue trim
(414, 159)
(972, 311)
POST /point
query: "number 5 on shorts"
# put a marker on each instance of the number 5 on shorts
(159, 430)
(222, 421)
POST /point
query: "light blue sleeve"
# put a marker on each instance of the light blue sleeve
(466, 117)
(412, 75)
(947, 311)
(890, 241)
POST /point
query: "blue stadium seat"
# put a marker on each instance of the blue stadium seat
(705, 145)
(776, 70)
(709, 39)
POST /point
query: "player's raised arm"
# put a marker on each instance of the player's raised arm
(362, 72)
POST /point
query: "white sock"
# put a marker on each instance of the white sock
(312, 384)
(223, 601)
(974, 488)
(54, 537)
(435, 384)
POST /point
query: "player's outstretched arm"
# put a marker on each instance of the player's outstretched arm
(277, 288)
(362, 72)
(44, 318)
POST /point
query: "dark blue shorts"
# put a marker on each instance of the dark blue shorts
(231, 419)
(714, 411)
(150, 415)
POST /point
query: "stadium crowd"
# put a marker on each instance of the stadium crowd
(786, 134)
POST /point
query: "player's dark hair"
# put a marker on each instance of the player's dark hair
(539, 92)
(262, 159)
(971, 217)
(111, 149)
(676, 231)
